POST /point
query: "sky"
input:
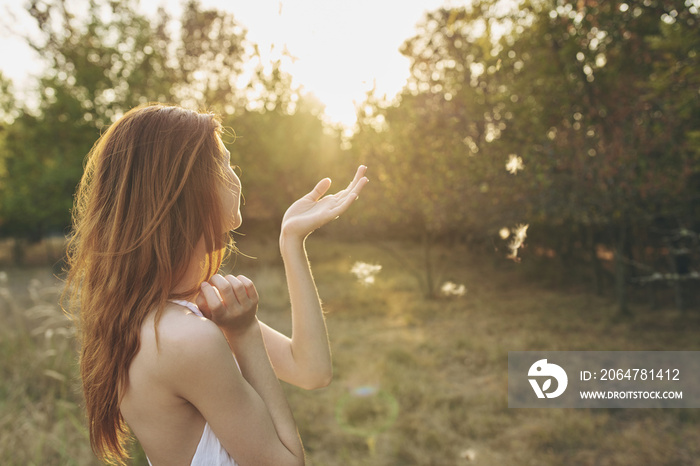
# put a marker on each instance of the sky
(341, 48)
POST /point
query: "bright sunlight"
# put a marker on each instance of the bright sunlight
(336, 50)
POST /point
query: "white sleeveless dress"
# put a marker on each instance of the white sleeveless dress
(209, 452)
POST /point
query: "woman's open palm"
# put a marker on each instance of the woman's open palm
(315, 210)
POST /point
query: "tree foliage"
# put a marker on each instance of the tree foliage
(111, 58)
(577, 117)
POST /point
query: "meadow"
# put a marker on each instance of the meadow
(416, 381)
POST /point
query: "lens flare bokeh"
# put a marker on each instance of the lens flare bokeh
(366, 411)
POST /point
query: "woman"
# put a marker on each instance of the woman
(195, 383)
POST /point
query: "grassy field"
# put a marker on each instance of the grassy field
(417, 382)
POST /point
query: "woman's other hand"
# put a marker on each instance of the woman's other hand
(315, 210)
(230, 302)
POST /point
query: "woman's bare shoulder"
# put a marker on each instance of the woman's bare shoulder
(180, 326)
(182, 338)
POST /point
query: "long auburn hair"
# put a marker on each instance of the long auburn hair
(149, 193)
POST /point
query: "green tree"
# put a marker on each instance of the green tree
(98, 68)
(597, 99)
(431, 149)
(606, 154)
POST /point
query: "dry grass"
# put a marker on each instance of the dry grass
(40, 417)
(416, 382)
(444, 362)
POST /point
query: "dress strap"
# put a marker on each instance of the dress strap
(191, 306)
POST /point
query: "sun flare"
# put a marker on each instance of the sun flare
(337, 51)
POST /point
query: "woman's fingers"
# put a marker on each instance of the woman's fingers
(358, 176)
(251, 291)
(212, 298)
(201, 303)
(224, 288)
(319, 190)
(355, 185)
(361, 182)
(323, 186)
(341, 201)
(229, 301)
(239, 290)
(235, 292)
(345, 203)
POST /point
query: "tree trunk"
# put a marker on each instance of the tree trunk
(676, 283)
(19, 250)
(595, 262)
(428, 264)
(621, 270)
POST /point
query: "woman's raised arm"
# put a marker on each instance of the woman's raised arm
(305, 359)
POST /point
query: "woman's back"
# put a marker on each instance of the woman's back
(169, 427)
